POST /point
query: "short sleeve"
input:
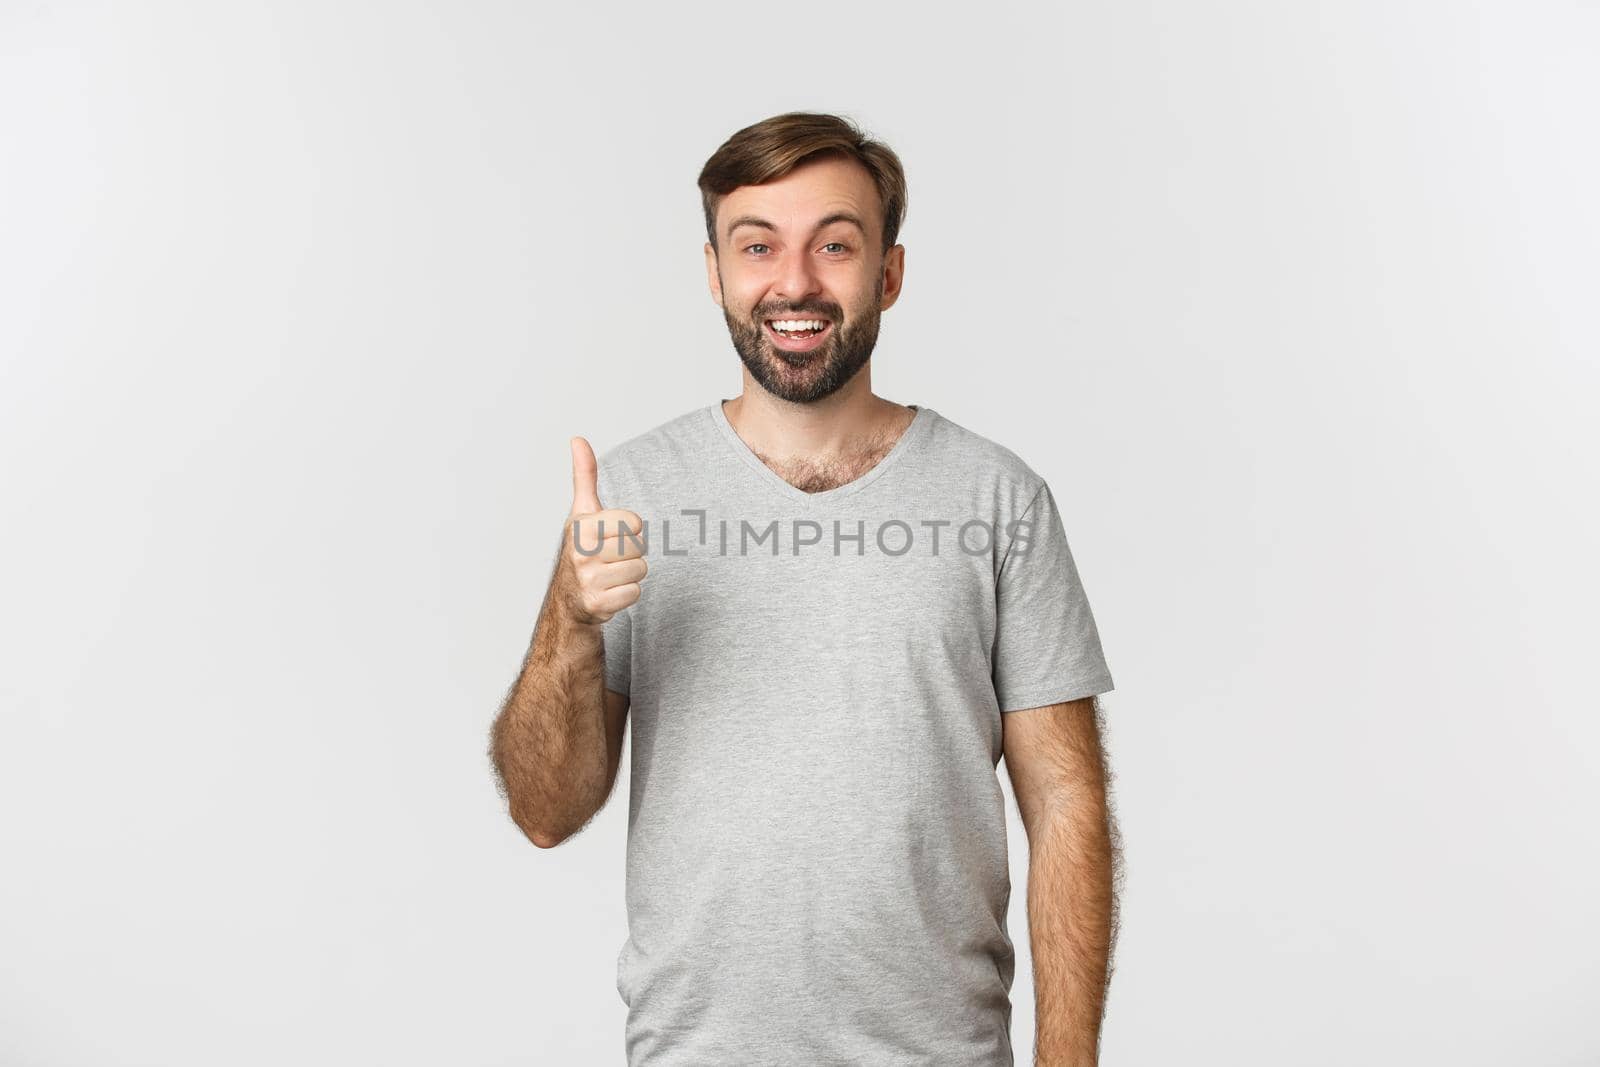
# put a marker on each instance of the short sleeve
(1046, 645)
(617, 631)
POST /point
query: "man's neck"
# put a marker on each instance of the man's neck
(828, 430)
(820, 446)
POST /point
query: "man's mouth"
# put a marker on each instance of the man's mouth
(797, 334)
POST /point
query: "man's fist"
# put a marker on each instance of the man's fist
(593, 586)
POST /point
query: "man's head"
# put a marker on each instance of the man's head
(802, 214)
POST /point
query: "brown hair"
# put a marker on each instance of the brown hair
(773, 147)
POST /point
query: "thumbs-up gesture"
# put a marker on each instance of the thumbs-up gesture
(593, 586)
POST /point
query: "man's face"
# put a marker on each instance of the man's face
(804, 247)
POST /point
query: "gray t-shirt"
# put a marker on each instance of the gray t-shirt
(816, 868)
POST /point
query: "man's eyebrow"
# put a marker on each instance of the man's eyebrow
(825, 221)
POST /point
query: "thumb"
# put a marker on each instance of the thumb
(585, 478)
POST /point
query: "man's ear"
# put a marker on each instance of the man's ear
(713, 278)
(894, 276)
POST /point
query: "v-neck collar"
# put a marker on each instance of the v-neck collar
(908, 439)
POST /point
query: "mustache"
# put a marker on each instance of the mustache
(797, 313)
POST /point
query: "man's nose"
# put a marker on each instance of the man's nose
(797, 277)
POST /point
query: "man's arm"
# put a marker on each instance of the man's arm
(1058, 773)
(557, 740)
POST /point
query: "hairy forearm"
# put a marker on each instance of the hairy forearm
(549, 741)
(1071, 904)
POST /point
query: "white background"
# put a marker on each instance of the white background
(1293, 304)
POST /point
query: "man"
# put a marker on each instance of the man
(853, 609)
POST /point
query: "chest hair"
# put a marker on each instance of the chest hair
(813, 474)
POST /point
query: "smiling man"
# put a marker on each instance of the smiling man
(804, 354)
(828, 616)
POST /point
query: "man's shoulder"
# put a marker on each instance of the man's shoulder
(982, 456)
(667, 446)
(675, 432)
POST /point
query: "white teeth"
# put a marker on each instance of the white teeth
(798, 324)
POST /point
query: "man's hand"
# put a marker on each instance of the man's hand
(557, 739)
(591, 587)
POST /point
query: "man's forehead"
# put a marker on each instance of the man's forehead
(808, 218)
(803, 198)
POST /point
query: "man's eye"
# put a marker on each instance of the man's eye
(758, 248)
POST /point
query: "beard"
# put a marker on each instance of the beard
(806, 377)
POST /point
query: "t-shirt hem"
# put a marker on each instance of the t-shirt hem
(1038, 698)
